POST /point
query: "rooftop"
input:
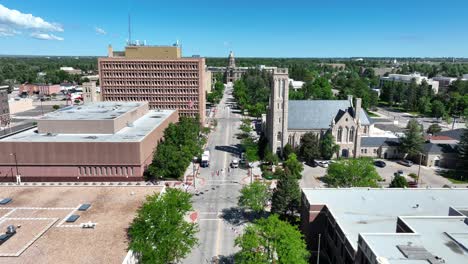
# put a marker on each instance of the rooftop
(136, 132)
(379, 141)
(38, 208)
(318, 114)
(94, 111)
(439, 238)
(370, 210)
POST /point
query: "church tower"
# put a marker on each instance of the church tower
(277, 122)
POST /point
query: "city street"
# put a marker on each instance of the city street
(219, 219)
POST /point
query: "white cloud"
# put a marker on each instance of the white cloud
(17, 19)
(100, 31)
(45, 36)
(8, 32)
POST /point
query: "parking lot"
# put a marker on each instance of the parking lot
(428, 176)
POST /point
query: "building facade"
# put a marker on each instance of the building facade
(90, 94)
(157, 75)
(4, 106)
(288, 120)
(41, 89)
(105, 141)
(406, 79)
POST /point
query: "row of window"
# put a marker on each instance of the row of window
(348, 134)
(149, 83)
(149, 65)
(113, 74)
(150, 91)
(180, 99)
(105, 171)
(364, 151)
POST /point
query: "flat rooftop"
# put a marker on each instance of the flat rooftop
(367, 210)
(134, 133)
(94, 111)
(442, 237)
(45, 237)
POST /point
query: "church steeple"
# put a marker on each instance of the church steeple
(232, 61)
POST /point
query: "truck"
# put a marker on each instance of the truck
(205, 159)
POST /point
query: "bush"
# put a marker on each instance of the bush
(56, 107)
(413, 175)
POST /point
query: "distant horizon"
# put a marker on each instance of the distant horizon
(252, 29)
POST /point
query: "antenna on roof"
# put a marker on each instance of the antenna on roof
(129, 30)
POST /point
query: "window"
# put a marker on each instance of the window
(347, 134)
(351, 134)
(339, 134)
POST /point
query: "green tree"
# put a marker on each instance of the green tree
(293, 166)
(287, 150)
(56, 107)
(286, 198)
(433, 129)
(352, 173)
(412, 140)
(254, 196)
(270, 240)
(328, 147)
(310, 147)
(399, 182)
(438, 109)
(159, 233)
(463, 151)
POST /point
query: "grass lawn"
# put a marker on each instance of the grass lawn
(454, 176)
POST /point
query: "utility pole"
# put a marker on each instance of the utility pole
(18, 176)
(318, 249)
(419, 169)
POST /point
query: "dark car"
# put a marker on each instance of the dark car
(407, 163)
(380, 163)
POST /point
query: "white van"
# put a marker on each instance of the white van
(234, 164)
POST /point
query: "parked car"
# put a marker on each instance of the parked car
(323, 164)
(407, 163)
(400, 172)
(380, 163)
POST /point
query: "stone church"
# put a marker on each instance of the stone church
(288, 120)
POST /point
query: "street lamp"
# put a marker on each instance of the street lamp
(18, 176)
(194, 176)
(419, 169)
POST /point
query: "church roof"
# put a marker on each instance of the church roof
(318, 114)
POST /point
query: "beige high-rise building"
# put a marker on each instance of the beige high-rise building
(155, 74)
(89, 93)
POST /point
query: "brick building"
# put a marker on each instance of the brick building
(155, 74)
(388, 225)
(106, 141)
(43, 89)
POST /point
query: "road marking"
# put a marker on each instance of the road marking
(218, 238)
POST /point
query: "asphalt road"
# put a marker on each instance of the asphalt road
(219, 219)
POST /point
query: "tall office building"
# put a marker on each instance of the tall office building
(155, 74)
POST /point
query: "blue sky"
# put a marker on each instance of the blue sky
(331, 28)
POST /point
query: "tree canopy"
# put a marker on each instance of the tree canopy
(159, 233)
(293, 166)
(181, 144)
(352, 173)
(398, 182)
(412, 140)
(328, 147)
(310, 147)
(270, 240)
(254, 196)
(287, 195)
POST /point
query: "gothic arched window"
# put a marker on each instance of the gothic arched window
(339, 134)
(351, 134)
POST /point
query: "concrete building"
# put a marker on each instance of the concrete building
(386, 226)
(90, 94)
(4, 106)
(155, 74)
(406, 79)
(296, 85)
(42, 89)
(106, 141)
(380, 147)
(71, 70)
(444, 82)
(288, 120)
(18, 105)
